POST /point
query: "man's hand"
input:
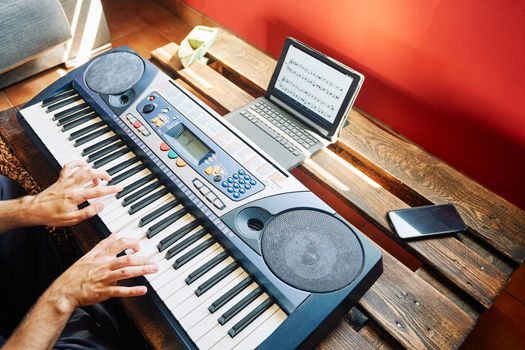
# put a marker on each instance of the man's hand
(92, 279)
(57, 205)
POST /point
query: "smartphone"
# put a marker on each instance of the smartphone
(429, 220)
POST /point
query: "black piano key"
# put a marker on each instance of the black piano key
(121, 177)
(101, 162)
(241, 304)
(106, 150)
(147, 201)
(193, 253)
(63, 103)
(79, 121)
(75, 135)
(72, 117)
(140, 193)
(177, 235)
(179, 247)
(70, 111)
(210, 264)
(93, 148)
(133, 186)
(82, 140)
(55, 98)
(246, 320)
(153, 230)
(229, 295)
(121, 166)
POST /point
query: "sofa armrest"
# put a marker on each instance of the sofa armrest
(28, 28)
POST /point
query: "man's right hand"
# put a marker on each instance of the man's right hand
(57, 204)
(92, 279)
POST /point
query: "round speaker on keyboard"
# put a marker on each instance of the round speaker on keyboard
(311, 250)
(114, 73)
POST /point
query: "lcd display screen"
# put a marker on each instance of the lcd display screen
(190, 144)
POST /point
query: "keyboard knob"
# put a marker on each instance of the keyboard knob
(148, 108)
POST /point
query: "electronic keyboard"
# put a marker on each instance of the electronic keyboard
(248, 257)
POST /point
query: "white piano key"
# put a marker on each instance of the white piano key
(115, 208)
(62, 137)
(162, 285)
(118, 211)
(108, 199)
(204, 325)
(177, 276)
(214, 335)
(195, 308)
(95, 141)
(184, 291)
(148, 246)
(253, 335)
(118, 223)
(258, 327)
(158, 279)
(118, 160)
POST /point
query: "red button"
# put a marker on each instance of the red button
(137, 124)
(164, 147)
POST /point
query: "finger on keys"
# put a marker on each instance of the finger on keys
(69, 168)
(122, 244)
(99, 191)
(131, 271)
(129, 260)
(84, 175)
(125, 292)
(83, 214)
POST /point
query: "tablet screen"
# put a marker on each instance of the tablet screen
(312, 84)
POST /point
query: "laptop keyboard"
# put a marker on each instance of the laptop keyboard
(275, 125)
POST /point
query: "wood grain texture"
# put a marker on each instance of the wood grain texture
(217, 88)
(458, 263)
(444, 289)
(413, 312)
(455, 261)
(167, 56)
(492, 218)
(344, 337)
(378, 338)
(243, 59)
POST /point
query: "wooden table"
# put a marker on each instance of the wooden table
(372, 170)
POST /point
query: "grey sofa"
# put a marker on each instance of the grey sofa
(39, 34)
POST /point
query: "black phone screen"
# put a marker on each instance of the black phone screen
(426, 221)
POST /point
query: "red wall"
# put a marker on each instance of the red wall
(448, 74)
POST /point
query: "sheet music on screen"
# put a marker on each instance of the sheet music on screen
(312, 83)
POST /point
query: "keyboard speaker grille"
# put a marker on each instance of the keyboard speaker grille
(114, 73)
(311, 250)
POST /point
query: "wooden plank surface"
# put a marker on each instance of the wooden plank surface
(413, 312)
(344, 337)
(205, 79)
(455, 261)
(243, 59)
(493, 219)
(459, 264)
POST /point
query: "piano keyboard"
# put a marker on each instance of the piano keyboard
(214, 299)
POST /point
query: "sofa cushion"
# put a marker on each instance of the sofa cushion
(29, 27)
